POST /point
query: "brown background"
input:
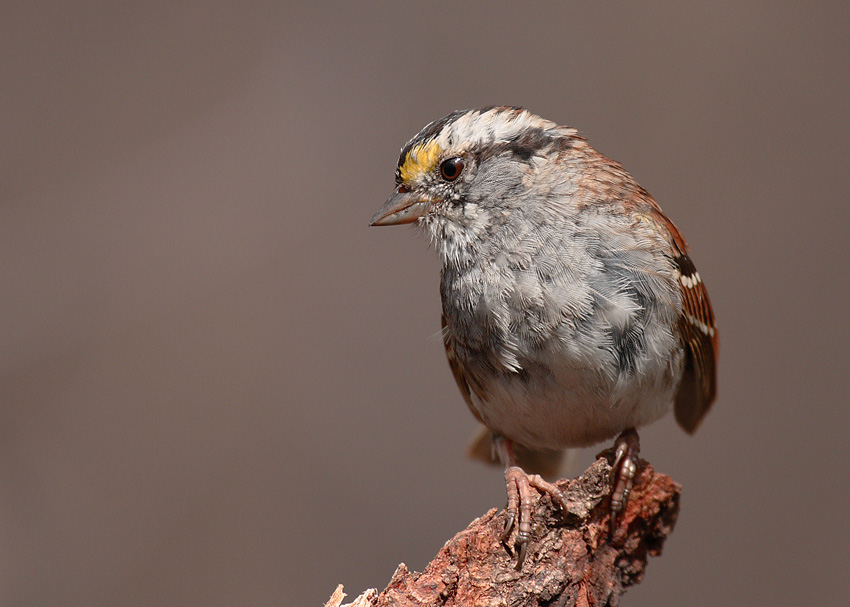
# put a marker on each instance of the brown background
(219, 387)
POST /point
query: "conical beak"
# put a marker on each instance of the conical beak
(403, 206)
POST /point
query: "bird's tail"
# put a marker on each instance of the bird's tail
(534, 461)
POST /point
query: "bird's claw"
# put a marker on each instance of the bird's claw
(623, 473)
(521, 495)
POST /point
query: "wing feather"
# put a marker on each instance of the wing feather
(698, 333)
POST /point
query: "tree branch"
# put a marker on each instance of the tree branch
(570, 559)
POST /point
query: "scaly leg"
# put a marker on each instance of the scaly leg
(521, 497)
(623, 473)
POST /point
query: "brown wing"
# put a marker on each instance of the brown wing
(698, 387)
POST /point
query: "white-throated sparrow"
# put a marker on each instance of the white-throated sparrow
(572, 312)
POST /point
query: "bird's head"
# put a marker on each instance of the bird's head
(470, 164)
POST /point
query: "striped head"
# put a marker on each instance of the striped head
(437, 167)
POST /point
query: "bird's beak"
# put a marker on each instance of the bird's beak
(404, 206)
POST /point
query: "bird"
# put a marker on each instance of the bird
(572, 312)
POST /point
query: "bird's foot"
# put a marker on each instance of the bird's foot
(521, 497)
(623, 472)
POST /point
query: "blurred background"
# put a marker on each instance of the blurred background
(220, 387)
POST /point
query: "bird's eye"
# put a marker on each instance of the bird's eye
(450, 169)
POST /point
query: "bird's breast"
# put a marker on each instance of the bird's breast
(564, 346)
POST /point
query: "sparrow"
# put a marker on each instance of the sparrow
(571, 310)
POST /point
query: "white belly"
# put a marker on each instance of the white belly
(572, 407)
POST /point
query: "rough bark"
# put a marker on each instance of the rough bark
(571, 559)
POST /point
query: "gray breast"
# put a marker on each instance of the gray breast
(577, 292)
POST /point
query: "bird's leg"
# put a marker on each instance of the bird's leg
(521, 497)
(626, 452)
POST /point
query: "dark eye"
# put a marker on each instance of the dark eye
(450, 169)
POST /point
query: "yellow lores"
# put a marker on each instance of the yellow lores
(420, 159)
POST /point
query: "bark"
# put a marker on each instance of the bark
(571, 560)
